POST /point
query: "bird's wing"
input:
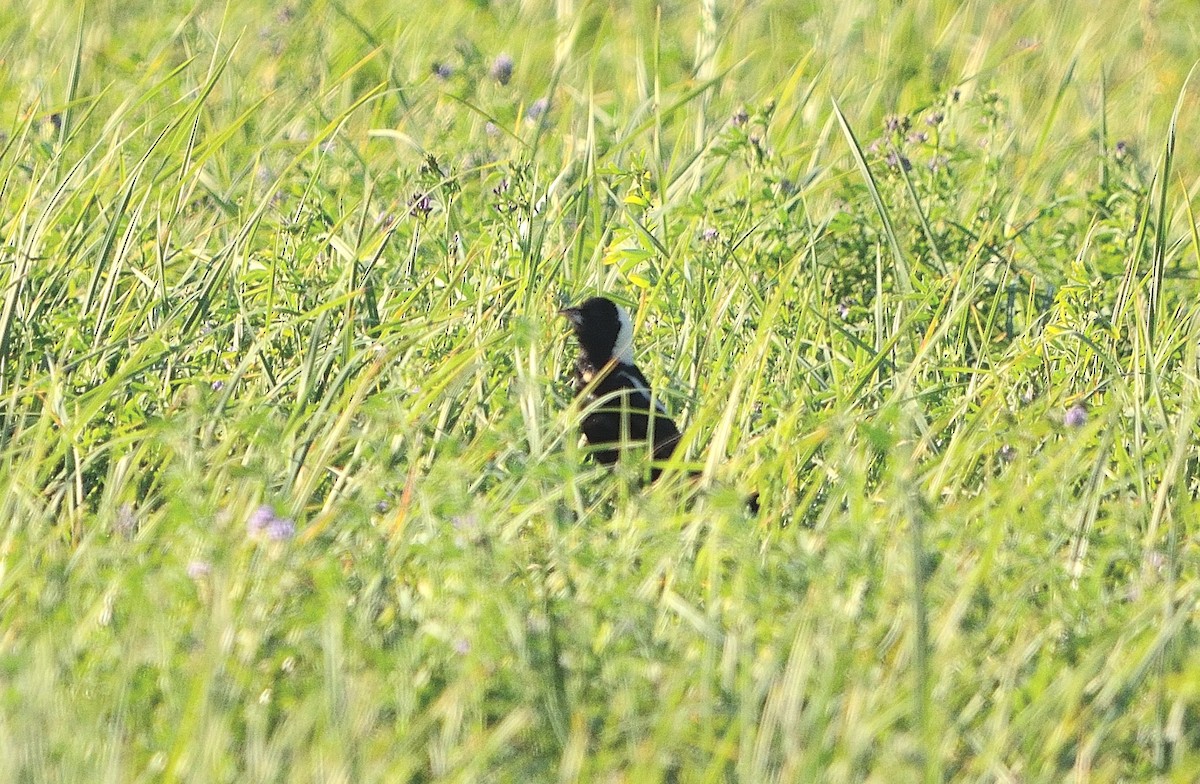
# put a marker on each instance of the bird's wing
(630, 377)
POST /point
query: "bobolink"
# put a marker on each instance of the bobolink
(620, 408)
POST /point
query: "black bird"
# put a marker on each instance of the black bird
(620, 409)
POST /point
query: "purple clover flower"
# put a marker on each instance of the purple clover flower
(264, 522)
(281, 529)
(896, 123)
(740, 117)
(421, 205)
(502, 68)
(897, 161)
(259, 519)
(1076, 416)
(538, 109)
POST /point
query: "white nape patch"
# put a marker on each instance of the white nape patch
(623, 349)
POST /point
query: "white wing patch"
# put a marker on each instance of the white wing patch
(636, 383)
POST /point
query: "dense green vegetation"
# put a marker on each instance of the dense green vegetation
(290, 486)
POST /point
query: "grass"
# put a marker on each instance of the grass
(288, 466)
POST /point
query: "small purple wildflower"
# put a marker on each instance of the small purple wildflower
(897, 161)
(896, 123)
(281, 529)
(1121, 150)
(491, 129)
(918, 137)
(874, 146)
(843, 309)
(259, 519)
(934, 119)
(1076, 416)
(1007, 453)
(218, 385)
(938, 163)
(710, 235)
(441, 70)
(264, 522)
(502, 68)
(740, 117)
(538, 109)
(421, 205)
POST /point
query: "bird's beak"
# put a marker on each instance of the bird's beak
(573, 315)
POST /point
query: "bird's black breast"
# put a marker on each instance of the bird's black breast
(620, 411)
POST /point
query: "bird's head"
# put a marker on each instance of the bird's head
(603, 329)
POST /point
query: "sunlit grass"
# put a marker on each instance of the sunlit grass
(289, 475)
